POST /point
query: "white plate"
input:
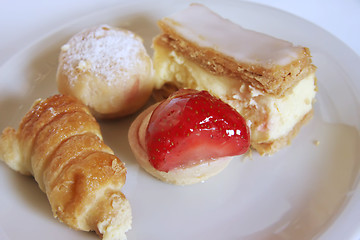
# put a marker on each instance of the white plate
(303, 192)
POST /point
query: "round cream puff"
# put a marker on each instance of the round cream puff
(108, 69)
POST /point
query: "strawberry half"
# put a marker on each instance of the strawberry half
(191, 127)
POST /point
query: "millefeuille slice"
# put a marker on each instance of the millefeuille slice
(269, 81)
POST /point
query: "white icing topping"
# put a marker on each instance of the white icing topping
(200, 25)
(104, 51)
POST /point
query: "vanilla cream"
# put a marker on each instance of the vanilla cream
(269, 117)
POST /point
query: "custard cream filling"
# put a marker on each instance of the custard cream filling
(269, 117)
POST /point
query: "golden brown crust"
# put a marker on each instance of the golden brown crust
(276, 80)
(52, 135)
(59, 142)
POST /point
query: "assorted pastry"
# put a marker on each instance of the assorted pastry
(59, 143)
(108, 69)
(269, 81)
(188, 137)
(220, 90)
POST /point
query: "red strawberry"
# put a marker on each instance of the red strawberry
(191, 127)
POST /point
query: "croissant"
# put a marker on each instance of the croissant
(59, 143)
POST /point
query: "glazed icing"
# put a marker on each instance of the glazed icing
(200, 25)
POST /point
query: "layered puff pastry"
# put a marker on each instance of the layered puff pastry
(271, 82)
(59, 143)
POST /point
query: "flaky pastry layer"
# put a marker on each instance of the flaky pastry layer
(59, 142)
(273, 69)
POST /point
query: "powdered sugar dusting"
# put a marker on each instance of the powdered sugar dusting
(105, 52)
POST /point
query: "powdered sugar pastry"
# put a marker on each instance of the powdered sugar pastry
(103, 51)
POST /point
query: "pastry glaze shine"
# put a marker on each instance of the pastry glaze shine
(263, 49)
(59, 142)
(178, 176)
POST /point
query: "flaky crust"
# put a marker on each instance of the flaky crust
(179, 176)
(59, 142)
(275, 80)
